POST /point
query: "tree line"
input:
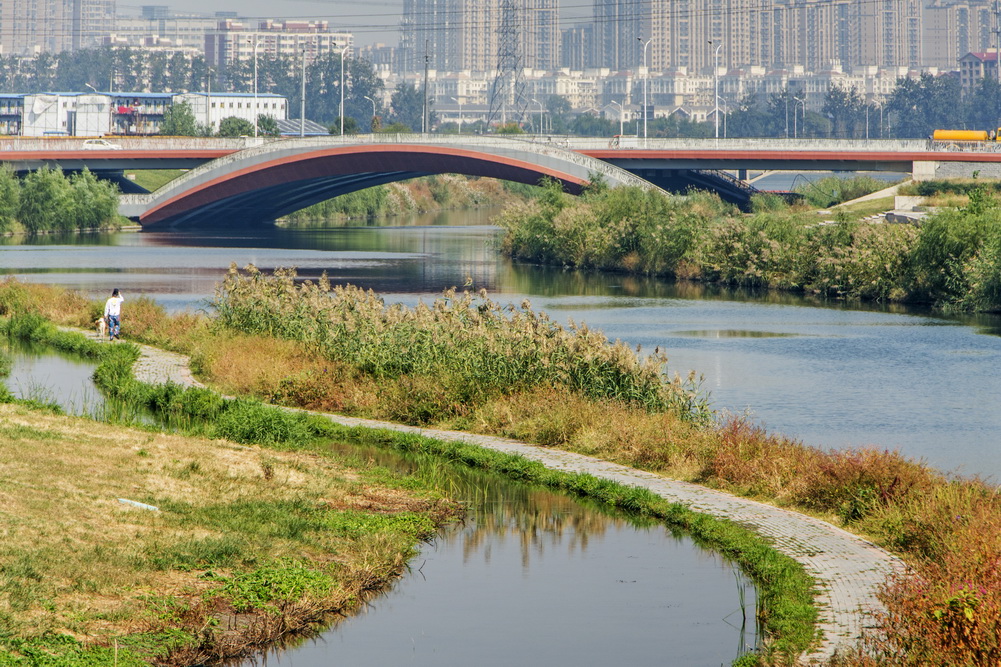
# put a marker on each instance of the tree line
(48, 200)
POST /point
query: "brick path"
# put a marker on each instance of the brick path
(847, 568)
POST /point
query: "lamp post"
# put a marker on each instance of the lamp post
(795, 130)
(255, 84)
(373, 107)
(716, 85)
(538, 129)
(459, 102)
(302, 96)
(621, 119)
(344, 50)
(646, 84)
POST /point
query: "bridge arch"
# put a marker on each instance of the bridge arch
(268, 181)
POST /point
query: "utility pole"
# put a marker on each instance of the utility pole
(424, 112)
(302, 97)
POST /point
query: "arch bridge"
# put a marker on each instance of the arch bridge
(275, 178)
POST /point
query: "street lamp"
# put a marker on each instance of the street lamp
(716, 85)
(341, 109)
(795, 130)
(373, 107)
(459, 102)
(646, 82)
(621, 119)
(255, 84)
(538, 130)
(91, 87)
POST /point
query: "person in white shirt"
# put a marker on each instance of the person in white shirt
(113, 314)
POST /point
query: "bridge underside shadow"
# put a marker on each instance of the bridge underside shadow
(681, 181)
(270, 187)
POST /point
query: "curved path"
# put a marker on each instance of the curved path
(847, 568)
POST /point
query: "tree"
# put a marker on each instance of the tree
(918, 107)
(179, 121)
(983, 109)
(407, 104)
(350, 126)
(510, 128)
(10, 197)
(46, 201)
(267, 126)
(232, 126)
(588, 125)
(846, 110)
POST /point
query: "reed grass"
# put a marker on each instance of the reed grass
(952, 259)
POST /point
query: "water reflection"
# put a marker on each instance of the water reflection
(533, 577)
(41, 374)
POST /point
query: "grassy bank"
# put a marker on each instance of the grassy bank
(952, 260)
(248, 546)
(420, 195)
(784, 589)
(947, 529)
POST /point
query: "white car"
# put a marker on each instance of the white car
(101, 145)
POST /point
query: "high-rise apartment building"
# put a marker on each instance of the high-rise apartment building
(35, 26)
(621, 27)
(233, 41)
(459, 35)
(951, 31)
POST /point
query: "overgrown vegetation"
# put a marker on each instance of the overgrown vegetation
(825, 192)
(952, 260)
(785, 591)
(431, 193)
(47, 200)
(947, 529)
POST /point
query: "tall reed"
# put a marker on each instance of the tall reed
(465, 347)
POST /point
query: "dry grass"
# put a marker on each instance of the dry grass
(74, 560)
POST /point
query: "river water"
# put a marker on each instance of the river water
(828, 374)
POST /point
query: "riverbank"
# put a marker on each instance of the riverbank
(847, 571)
(951, 260)
(175, 550)
(181, 550)
(419, 195)
(899, 503)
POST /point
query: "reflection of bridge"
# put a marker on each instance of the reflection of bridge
(244, 180)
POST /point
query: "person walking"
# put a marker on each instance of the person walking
(113, 314)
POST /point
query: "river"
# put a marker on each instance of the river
(826, 373)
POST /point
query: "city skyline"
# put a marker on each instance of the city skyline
(371, 23)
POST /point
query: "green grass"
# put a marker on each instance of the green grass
(153, 179)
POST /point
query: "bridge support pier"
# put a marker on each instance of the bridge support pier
(923, 171)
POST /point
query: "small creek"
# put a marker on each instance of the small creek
(529, 577)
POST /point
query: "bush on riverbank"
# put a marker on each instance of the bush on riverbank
(47, 200)
(420, 195)
(953, 259)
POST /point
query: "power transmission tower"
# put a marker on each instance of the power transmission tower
(507, 94)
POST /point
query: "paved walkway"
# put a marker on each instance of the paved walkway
(847, 568)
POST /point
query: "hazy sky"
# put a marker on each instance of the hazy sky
(371, 21)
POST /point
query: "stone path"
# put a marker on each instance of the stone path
(847, 568)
